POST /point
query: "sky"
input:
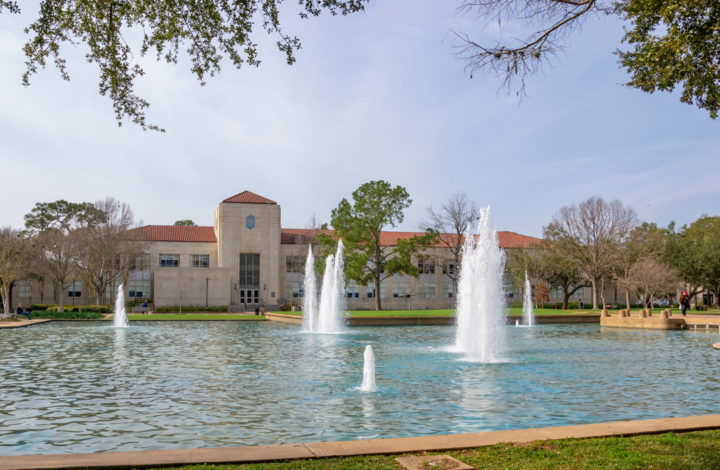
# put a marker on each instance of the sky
(374, 95)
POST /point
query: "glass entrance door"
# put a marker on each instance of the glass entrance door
(250, 296)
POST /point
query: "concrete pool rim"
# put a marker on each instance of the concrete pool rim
(315, 450)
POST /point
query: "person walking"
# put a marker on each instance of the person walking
(684, 302)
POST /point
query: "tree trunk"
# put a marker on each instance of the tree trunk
(61, 299)
(627, 299)
(566, 295)
(6, 303)
(602, 292)
(594, 295)
(378, 305)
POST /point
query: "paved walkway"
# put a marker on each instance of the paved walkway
(348, 448)
(21, 323)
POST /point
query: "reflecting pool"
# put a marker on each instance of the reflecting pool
(85, 386)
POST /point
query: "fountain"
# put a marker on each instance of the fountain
(310, 308)
(368, 383)
(119, 317)
(332, 296)
(528, 313)
(481, 329)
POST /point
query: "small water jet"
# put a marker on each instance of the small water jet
(528, 312)
(119, 316)
(332, 295)
(310, 307)
(368, 383)
(481, 328)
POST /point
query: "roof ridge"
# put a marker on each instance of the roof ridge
(249, 197)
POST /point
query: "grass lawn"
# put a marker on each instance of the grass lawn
(450, 312)
(694, 450)
(193, 316)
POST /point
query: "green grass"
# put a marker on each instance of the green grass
(194, 316)
(694, 450)
(449, 312)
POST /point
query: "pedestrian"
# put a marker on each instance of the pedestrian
(21, 311)
(684, 302)
(580, 304)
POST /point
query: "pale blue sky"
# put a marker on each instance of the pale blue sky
(376, 95)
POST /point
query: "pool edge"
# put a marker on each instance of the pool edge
(255, 454)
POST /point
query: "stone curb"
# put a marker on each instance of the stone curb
(254, 454)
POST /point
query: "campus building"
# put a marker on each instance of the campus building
(246, 259)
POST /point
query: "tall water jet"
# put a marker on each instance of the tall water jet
(332, 295)
(119, 317)
(481, 329)
(528, 312)
(310, 301)
(368, 383)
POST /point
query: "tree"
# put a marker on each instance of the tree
(554, 266)
(376, 205)
(53, 226)
(15, 254)
(209, 31)
(695, 253)
(184, 222)
(651, 278)
(591, 234)
(104, 253)
(672, 43)
(450, 223)
(645, 240)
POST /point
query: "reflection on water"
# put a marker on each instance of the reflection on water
(81, 387)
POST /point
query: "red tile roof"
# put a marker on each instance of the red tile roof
(299, 236)
(173, 233)
(247, 197)
(296, 236)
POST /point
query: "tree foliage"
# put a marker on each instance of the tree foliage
(376, 205)
(209, 32)
(673, 43)
(695, 252)
(184, 222)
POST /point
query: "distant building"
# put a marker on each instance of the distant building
(247, 259)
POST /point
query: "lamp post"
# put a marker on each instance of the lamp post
(206, 293)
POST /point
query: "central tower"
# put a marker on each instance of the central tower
(247, 228)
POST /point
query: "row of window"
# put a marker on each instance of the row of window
(172, 260)
(296, 264)
(400, 290)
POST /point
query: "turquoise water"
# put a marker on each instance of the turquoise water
(83, 387)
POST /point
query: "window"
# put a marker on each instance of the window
(249, 270)
(294, 289)
(24, 289)
(295, 264)
(75, 289)
(140, 262)
(371, 290)
(169, 260)
(139, 289)
(352, 290)
(447, 290)
(401, 287)
(449, 266)
(426, 266)
(200, 261)
(426, 290)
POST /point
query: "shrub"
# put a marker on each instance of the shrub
(32, 307)
(82, 308)
(191, 308)
(75, 315)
